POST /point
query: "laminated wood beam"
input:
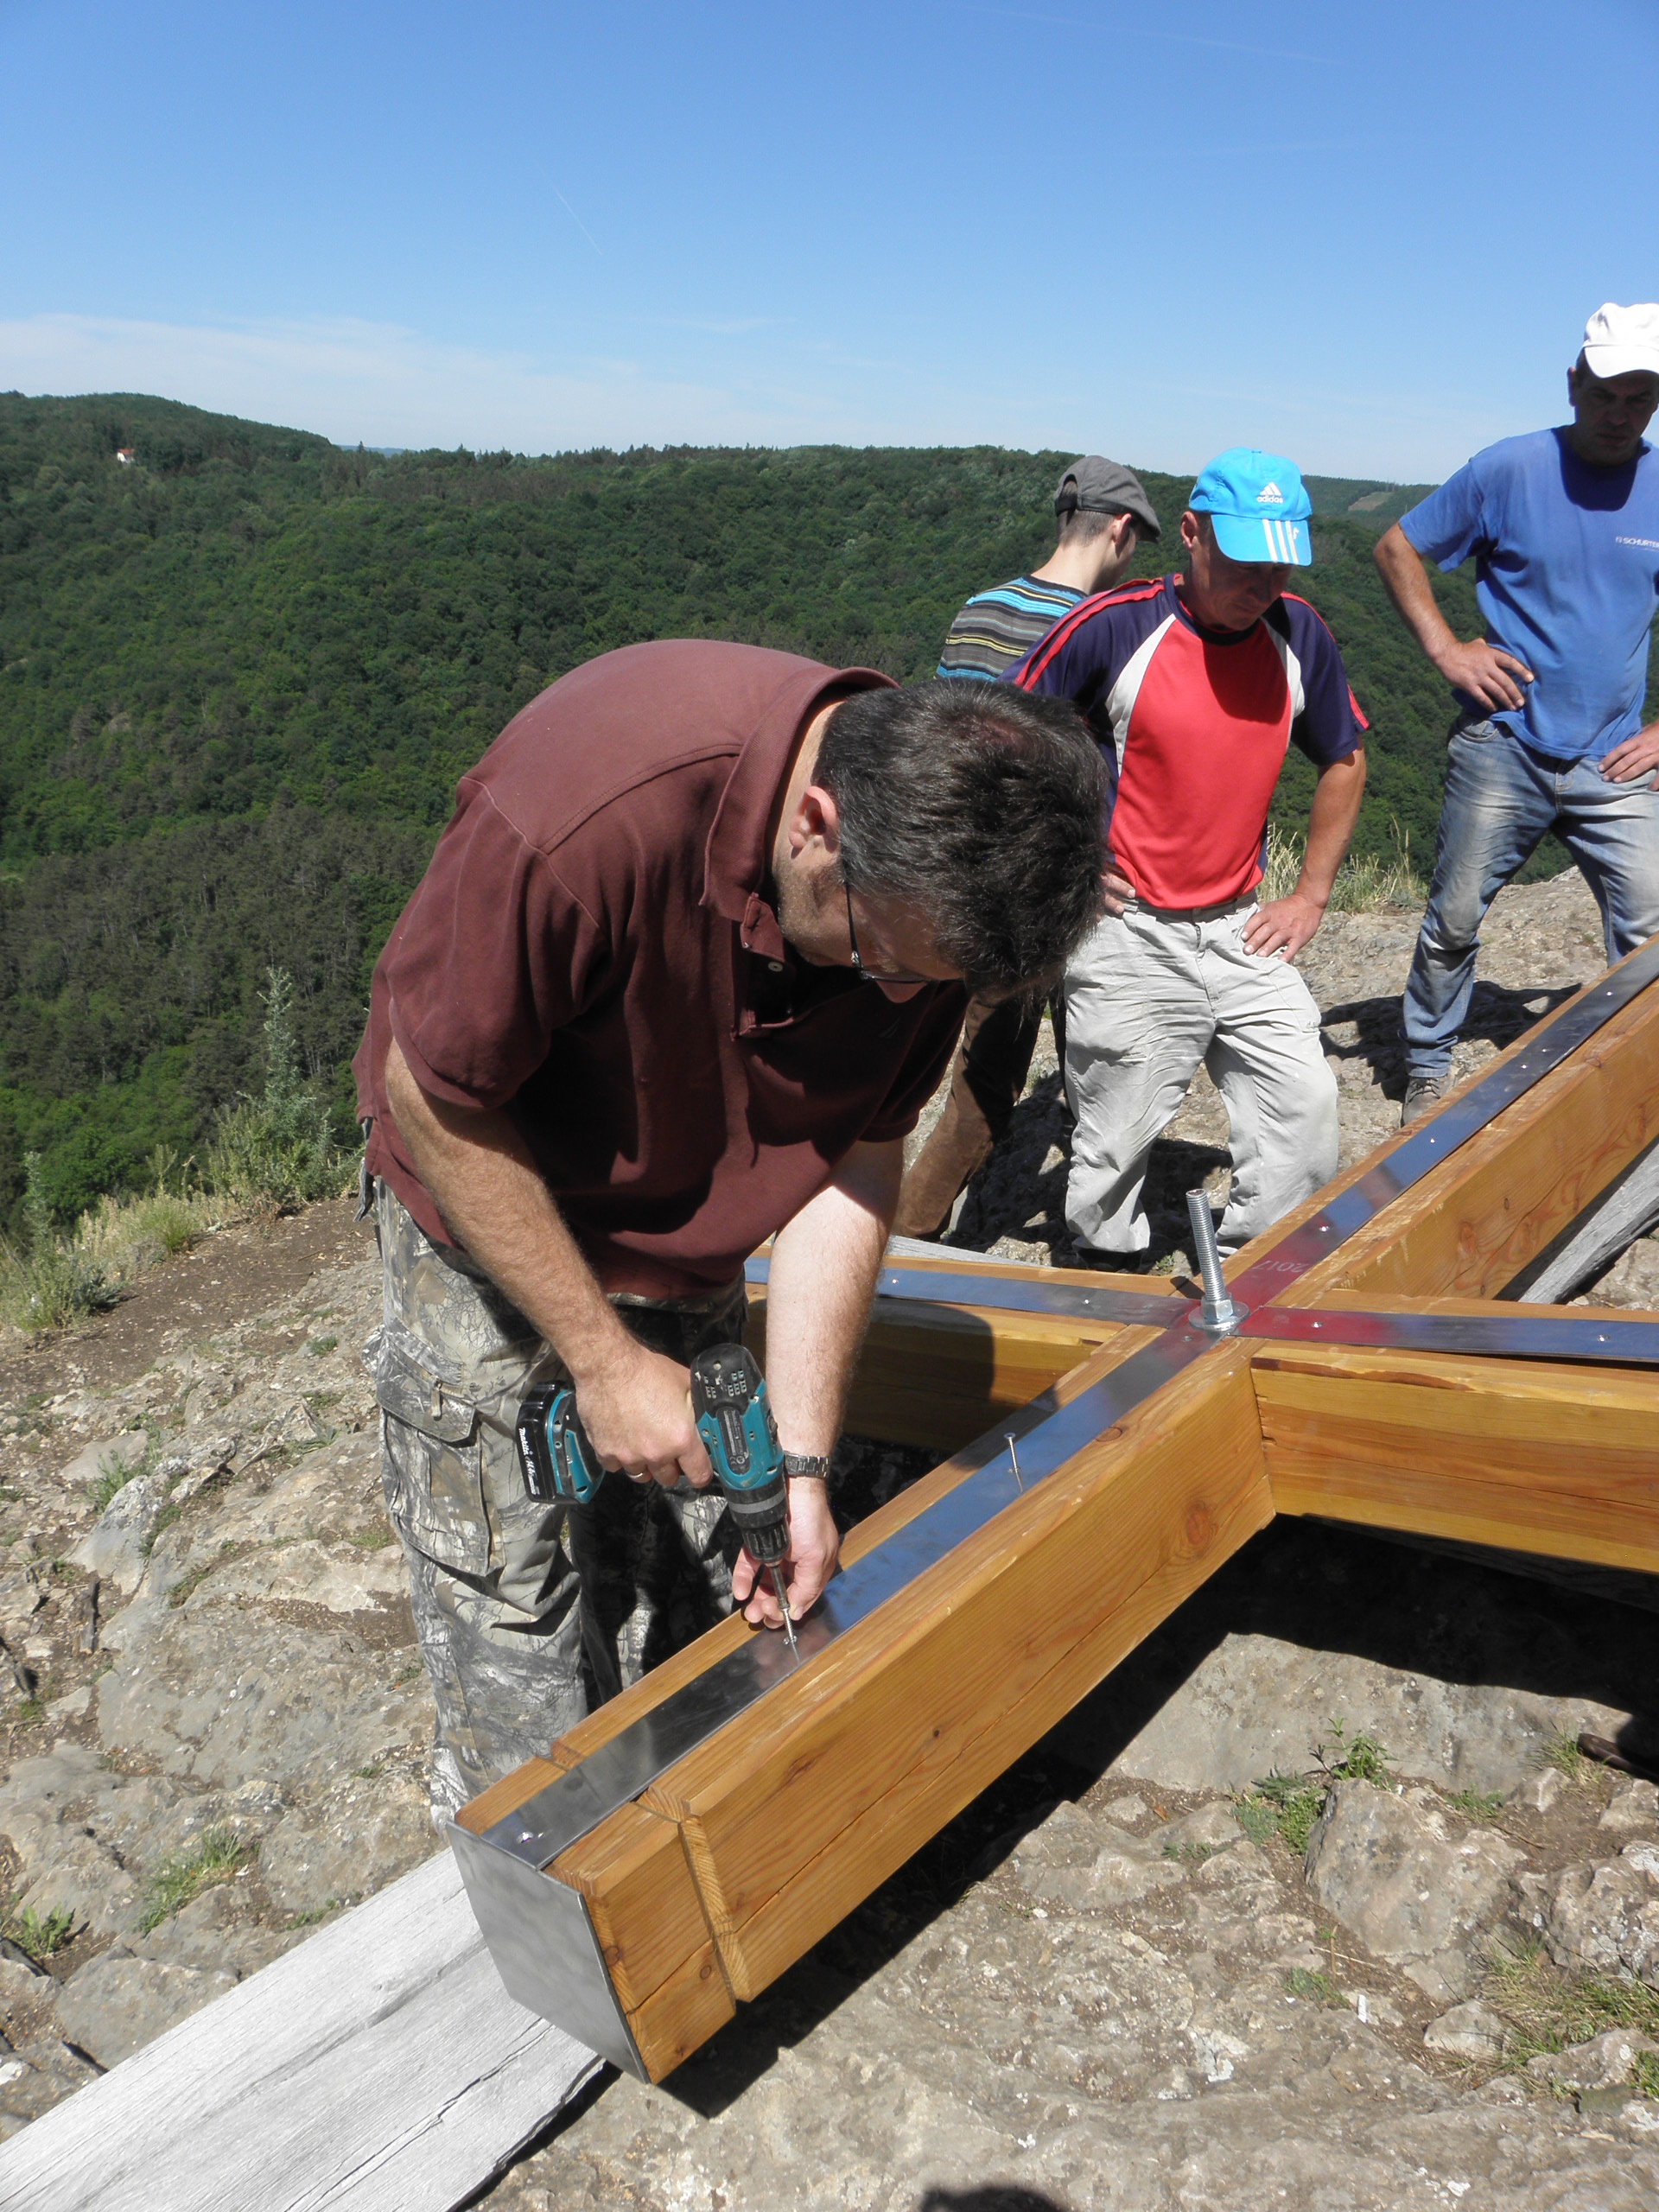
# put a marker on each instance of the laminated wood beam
(705, 1848)
(1524, 1456)
(1470, 1226)
(662, 1683)
(939, 1376)
(797, 1810)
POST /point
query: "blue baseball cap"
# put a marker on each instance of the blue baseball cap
(1257, 505)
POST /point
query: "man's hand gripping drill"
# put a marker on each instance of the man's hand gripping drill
(733, 1418)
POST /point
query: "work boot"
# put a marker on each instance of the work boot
(1423, 1093)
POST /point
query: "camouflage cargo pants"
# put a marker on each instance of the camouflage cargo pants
(528, 1615)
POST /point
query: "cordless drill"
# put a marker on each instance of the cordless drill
(734, 1417)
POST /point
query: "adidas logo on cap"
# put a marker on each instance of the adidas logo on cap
(1270, 496)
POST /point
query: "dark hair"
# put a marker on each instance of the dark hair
(980, 807)
(1082, 526)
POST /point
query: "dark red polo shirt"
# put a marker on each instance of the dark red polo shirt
(594, 948)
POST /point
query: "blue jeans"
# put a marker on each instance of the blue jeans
(1500, 801)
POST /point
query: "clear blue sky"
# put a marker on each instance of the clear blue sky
(1366, 235)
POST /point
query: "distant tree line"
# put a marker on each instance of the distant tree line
(239, 678)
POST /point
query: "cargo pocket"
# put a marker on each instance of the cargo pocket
(433, 1459)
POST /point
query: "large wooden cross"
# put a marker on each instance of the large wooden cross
(690, 1841)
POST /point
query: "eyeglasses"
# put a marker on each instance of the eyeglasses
(873, 975)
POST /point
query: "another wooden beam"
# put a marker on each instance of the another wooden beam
(939, 1375)
(1523, 1455)
(1471, 1226)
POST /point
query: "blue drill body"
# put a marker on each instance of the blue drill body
(733, 1418)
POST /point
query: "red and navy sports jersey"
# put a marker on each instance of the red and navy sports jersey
(1194, 724)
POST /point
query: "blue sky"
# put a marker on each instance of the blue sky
(1367, 236)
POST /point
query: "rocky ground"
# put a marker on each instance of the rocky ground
(1421, 1967)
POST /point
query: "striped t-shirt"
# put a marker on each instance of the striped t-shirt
(997, 628)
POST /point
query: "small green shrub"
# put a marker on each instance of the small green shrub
(1290, 1804)
(1299, 1982)
(1257, 1817)
(1358, 1758)
(1293, 1803)
(1479, 1806)
(40, 1938)
(1562, 1752)
(52, 1280)
(215, 1859)
(1549, 2011)
(1365, 881)
(114, 1475)
(276, 1151)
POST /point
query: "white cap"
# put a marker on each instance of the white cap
(1621, 342)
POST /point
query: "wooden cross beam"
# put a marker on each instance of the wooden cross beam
(687, 1843)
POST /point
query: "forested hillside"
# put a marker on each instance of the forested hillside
(239, 675)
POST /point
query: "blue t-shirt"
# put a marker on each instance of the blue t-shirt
(1567, 572)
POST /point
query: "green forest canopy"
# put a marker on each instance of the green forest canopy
(240, 675)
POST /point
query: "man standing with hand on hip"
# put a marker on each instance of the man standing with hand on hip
(1195, 684)
(1564, 525)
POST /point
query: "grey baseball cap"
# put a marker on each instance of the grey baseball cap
(1106, 487)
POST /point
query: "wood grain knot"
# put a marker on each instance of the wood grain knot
(1200, 1529)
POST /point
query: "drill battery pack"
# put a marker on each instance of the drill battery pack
(555, 1456)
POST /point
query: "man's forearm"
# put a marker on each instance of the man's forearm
(818, 1291)
(479, 1170)
(1331, 825)
(1400, 566)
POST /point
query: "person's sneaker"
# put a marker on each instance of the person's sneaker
(1423, 1092)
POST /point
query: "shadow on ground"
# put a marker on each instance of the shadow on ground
(1307, 1583)
(1020, 1190)
(1498, 1016)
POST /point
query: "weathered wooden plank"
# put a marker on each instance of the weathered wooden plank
(378, 2067)
(1556, 1460)
(808, 1800)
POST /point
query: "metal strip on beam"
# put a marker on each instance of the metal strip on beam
(1047, 1435)
(1587, 1340)
(1012, 1294)
(1452, 1126)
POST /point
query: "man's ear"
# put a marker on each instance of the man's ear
(815, 821)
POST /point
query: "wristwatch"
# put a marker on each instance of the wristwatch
(807, 1463)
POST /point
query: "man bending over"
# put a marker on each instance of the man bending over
(687, 963)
